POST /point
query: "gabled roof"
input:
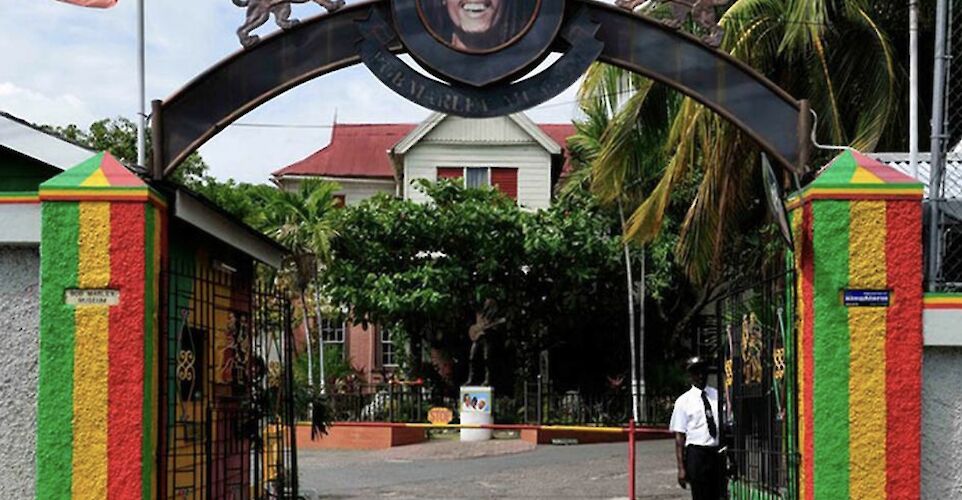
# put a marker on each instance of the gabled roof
(362, 150)
(520, 119)
(29, 140)
(355, 150)
(559, 132)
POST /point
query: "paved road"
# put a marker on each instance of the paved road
(499, 469)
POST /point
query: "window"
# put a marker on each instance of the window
(388, 353)
(506, 181)
(503, 179)
(476, 177)
(332, 331)
(450, 173)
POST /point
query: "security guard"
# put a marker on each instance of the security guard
(694, 422)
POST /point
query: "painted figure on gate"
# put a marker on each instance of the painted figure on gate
(478, 25)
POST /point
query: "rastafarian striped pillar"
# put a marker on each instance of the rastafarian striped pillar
(100, 261)
(858, 226)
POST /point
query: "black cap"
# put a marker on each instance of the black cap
(696, 363)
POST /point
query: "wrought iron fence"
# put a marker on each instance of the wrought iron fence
(757, 375)
(382, 402)
(227, 414)
(410, 403)
(610, 407)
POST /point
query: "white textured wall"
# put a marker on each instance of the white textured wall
(942, 423)
(492, 142)
(19, 348)
(531, 160)
(500, 130)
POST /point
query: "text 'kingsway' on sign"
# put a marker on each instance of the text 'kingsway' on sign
(92, 297)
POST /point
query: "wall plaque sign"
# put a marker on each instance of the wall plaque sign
(92, 297)
(867, 298)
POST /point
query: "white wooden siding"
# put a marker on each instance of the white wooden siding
(500, 130)
(354, 190)
(531, 160)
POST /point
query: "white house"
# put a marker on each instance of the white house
(522, 159)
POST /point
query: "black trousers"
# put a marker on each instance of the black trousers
(703, 468)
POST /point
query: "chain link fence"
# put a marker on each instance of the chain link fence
(948, 195)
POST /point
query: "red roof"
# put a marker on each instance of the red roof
(559, 132)
(360, 150)
(356, 150)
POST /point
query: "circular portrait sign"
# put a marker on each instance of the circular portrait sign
(478, 26)
(478, 42)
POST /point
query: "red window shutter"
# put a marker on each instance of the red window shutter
(506, 181)
(450, 173)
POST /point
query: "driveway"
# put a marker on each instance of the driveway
(495, 469)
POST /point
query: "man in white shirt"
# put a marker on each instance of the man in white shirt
(694, 422)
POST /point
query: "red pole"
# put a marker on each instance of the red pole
(631, 459)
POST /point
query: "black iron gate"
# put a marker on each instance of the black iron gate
(227, 422)
(756, 339)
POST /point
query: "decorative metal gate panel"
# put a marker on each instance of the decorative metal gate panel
(757, 379)
(227, 425)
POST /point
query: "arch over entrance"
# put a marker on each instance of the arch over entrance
(327, 43)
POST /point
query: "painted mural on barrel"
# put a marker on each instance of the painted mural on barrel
(858, 226)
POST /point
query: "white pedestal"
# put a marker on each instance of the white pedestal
(476, 408)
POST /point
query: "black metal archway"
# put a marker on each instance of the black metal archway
(327, 43)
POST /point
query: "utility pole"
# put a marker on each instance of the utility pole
(642, 293)
(141, 87)
(914, 88)
(938, 141)
(631, 320)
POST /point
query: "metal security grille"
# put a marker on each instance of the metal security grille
(946, 274)
(227, 420)
(757, 379)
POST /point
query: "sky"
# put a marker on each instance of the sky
(61, 64)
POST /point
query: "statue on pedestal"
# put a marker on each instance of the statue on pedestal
(484, 321)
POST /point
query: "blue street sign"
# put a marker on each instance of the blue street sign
(867, 298)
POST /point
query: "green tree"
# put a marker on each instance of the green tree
(423, 270)
(832, 52)
(301, 220)
(119, 137)
(622, 176)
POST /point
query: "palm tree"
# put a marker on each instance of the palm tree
(620, 176)
(830, 51)
(301, 220)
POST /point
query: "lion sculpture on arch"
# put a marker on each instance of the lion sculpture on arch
(259, 12)
(702, 13)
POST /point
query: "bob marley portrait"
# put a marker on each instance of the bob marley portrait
(477, 25)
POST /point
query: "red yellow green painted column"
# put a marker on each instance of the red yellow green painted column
(859, 226)
(98, 356)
